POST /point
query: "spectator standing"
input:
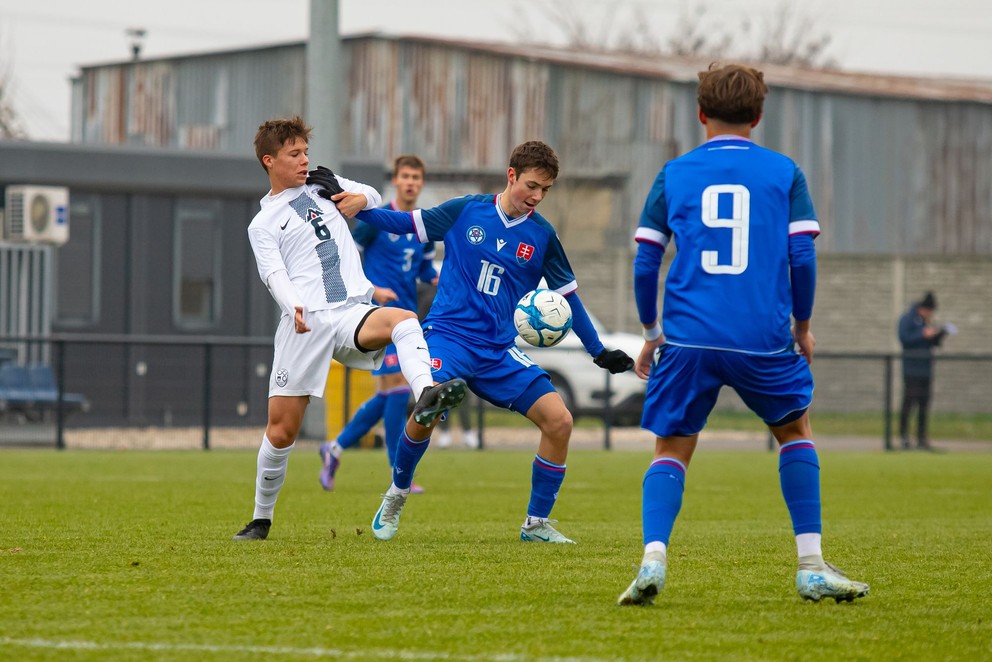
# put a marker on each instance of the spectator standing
(918, 337)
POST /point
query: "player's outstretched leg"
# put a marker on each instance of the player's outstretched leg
(817, 579)
(649, 582)
(437, 399)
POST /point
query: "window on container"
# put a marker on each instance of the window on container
(77, 265)
(197, 264)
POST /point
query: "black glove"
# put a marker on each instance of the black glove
(325, 179)
(614, 360)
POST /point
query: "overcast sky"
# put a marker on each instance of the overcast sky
(43, 44)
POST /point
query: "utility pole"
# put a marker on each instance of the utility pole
(326, 84)
(325, 89)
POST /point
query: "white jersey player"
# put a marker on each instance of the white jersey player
(310, 264)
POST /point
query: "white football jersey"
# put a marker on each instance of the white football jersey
(301, 232)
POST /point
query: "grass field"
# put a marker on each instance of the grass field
(128, 556)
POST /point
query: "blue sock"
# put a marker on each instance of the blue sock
(408, 454)
(395, 419)
(799, 474)
(367, 415)
(664, 484)
(545, 481)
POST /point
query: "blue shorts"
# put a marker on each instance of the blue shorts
(390, 362)
(685, 382)
(507, 378)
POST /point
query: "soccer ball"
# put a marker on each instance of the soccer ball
(543, 318)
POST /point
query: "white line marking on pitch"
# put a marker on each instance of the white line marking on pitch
(270, 650)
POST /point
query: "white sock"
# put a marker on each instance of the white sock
(808, 544)
(336, 449)
(414, 357)
(656, 546)
(395, 490)
(269, 477)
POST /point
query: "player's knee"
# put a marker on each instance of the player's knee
(281, 436)
(559, 426)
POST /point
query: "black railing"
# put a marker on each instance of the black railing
(129, 384)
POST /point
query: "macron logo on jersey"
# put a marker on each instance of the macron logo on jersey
(524, 253)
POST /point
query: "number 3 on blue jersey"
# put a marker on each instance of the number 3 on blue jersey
(738, 223)
(489, 280)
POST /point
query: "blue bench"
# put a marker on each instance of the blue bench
(32, 391)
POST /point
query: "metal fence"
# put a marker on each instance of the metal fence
(169, 392)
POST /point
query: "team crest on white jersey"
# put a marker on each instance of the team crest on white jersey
(282, 377)
(499, 244)
(305, 207)
(475, 235)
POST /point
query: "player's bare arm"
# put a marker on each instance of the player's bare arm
(642, 367)
(804, 339)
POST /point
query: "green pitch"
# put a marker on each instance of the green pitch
(129, 556)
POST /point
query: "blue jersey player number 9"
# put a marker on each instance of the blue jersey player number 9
(738, 223)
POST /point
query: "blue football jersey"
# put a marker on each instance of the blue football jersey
(395, 261)
(730, 205)
(490, 262)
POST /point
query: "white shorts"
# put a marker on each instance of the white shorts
(302, 360)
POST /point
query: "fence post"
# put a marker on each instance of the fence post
(60, 386)
(207, 376)
(480, 422)
(888, 402)
(346, 400)
(608, 410)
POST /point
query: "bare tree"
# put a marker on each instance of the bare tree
(10, 124)
(788, 38)
(690, 37)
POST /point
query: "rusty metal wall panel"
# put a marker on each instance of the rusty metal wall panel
(103, 110)
(151, 118)
(211, 102)
(528, 98)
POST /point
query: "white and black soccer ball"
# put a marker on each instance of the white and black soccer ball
(543, 318)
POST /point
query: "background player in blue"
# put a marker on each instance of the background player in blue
(394, 263)
(497, 248)
(743, 221)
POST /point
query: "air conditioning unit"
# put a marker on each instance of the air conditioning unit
(36, 214)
